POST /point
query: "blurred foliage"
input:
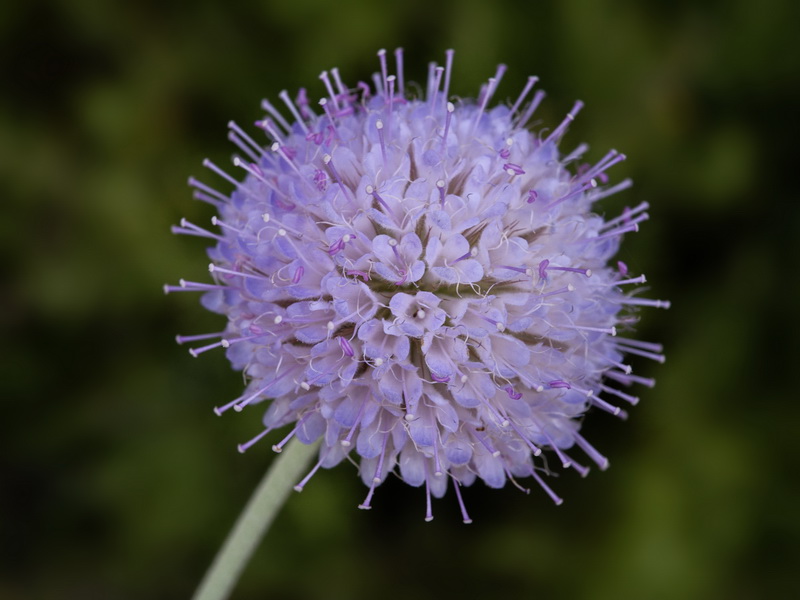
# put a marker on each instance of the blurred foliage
(116, 480)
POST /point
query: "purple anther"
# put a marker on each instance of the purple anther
(532, 196)
(337, 246)
(438, 379)
(346, 347)
(298, 274)
(543, 269)
(603, 178)
(256, 168)
(512, 394)
(320, 177)
(315, 137)
(302, 102)
(355, 273)
(623, 268)
(505, 153)
(331, 131)
(514, 169)
(348, 110)
(558, 384)
(289, 151)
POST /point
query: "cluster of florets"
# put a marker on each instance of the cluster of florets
(421, 284)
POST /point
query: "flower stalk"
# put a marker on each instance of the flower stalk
(255, 520)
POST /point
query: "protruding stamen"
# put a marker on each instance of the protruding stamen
(632, 227)
(183, 339)
(590, 451)
(384, 71)
(609, 330)
(398, 57)
(299, 487)
(464, 514)
(331, 94)
(441, 186)
(626, 215)
(267, 106)
(437, 81)
(243, 447)
(284, 96)
(450, 109)
(379, 127)
(537, 100)
(484, 101)
(559, 131)
(627, 397)
(630, 379)
(428, 509)
(448, 70)
(646, 302)
(195, 352)
(557, 499)
(530, 83)
(207, 194)
(327, 159)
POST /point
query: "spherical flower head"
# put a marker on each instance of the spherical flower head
(422, 284)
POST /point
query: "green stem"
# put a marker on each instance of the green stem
(254, 521)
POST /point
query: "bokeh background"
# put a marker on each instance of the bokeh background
(116, 479)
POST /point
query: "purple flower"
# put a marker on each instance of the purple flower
(422, 284)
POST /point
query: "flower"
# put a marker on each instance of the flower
(421, 283)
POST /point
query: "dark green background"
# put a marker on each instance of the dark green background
(117, 481)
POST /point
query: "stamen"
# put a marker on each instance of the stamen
(183, 339)
(640, 344)
(267, 106)
(241, 133)
(345, 190)
(590, 451)
(326, 80)
(633, 400)
(537, 100)
(243, 447)
(448, 70)
(384, 72)
(299, 487)
(558, 500)
(559, 131)
(371, 190)
(450, 109)
(379, 127)
(441, 185)
(646, 302)
(632, 227)
(464, 514)
(195, 352)
(284, 95)
(187, 228)
(242, 146)
(630, 379)
(609, 330)
(428, 511)
(531, 82)
(484, 102)
(398, 57)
